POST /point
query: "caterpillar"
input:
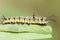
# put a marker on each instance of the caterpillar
(26, 20)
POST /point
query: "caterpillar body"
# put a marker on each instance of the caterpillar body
(26, 20)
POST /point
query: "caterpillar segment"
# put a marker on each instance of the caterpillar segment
(42, 21)
(21, 20)
(26, 19)
(12, 21)
(6, 21)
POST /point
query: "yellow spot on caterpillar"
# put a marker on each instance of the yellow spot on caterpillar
(11, 21)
